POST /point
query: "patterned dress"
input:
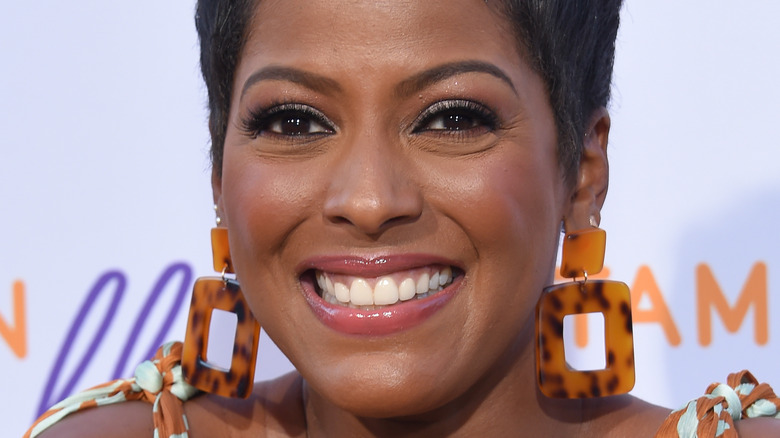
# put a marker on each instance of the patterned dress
(159, 382)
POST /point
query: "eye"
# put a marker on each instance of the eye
(287, 120)
(456, 116)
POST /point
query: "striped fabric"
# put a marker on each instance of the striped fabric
(157, 381)
(714, 414)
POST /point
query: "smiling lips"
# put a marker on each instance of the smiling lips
(368, 293)
(380, 296)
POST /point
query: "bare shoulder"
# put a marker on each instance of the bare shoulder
(273, 410)
(758, 427)
(627, 416)
(624, 416)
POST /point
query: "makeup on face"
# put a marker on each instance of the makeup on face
(391, 186)
(378, 296)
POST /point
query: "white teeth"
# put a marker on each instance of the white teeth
(407, 290)
(433, 283)
(360, 293)
(422, 284)
(328, 285)
(445, 276)
(385, 292)
(342, 292)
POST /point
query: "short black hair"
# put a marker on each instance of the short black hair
(222, 27)
(569, 43)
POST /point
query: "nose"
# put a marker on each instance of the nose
(371, 188)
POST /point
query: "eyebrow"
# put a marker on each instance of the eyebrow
(407, 87)
(436, 74)
(309, 80)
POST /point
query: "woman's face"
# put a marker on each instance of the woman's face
(370, 147)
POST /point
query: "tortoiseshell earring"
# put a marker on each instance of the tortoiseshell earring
(221, 293)
(583, 254)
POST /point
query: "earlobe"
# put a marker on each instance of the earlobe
(593, 177)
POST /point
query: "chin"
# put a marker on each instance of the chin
(381, 391)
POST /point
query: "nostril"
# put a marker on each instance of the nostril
(399, 220)
(373, 212)
(372, 191)
(340, 220)
(374, 222)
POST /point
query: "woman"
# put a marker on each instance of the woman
(367, 145)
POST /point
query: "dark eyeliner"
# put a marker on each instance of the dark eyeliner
(487, 117)
(257, 120)
(253, 122)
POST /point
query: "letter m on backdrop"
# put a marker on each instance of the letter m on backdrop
(710, 297)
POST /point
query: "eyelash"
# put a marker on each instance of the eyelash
(258, 121)
(482, 116)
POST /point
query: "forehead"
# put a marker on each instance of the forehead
(375, 36)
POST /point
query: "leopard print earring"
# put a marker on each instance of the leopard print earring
(221, 293)
(583, 254)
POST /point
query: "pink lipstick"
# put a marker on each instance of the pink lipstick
(376, 320)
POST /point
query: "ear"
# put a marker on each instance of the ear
(216, 190)
(592, 181)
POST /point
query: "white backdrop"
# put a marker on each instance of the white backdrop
(104, 188)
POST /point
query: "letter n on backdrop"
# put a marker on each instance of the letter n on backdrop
(15, 332)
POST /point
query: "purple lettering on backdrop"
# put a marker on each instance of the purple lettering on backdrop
(121, 282)
(47, 399)
(163, 281)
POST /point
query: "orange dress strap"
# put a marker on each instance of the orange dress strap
(714, 414)
(157, 381)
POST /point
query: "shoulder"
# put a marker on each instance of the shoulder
(273, 410)
(623, 416)
(628, 416)
(758, 427)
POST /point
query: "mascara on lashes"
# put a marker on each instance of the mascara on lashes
(481, 114)
(258, 120)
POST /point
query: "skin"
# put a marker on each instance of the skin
(379, 182)
(396, 193)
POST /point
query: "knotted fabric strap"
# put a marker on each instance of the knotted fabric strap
(714, 414)
(158, 381)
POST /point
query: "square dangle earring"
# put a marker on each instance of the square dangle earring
(583, 254)
(221, 293)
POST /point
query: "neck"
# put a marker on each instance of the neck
(503, 402)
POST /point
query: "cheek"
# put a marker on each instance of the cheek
(264, 202)
(506, 204)
(509, 210)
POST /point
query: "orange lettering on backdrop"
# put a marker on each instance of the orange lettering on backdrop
(581, 319)
(16, 335)
(754, 292)
(645, 284)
